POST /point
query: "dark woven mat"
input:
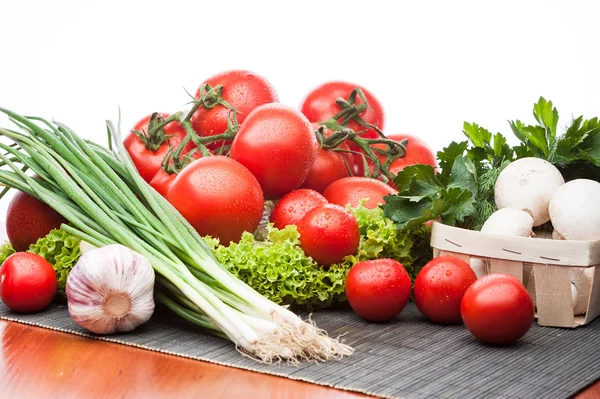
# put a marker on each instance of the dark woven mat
(407, 358)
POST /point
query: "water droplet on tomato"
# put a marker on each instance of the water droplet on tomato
(448, 273)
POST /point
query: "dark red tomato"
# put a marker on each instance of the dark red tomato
(351, 190)
(378, 290)
(219, 197)
(29, 219)
(320, 105)
(329, 233)
(293, 206)
(440, 287)
(497, 309)
(146, 161)
(277, 144)
(243, 90)
(27, 282)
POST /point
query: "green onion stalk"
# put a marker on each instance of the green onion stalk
(99, 191)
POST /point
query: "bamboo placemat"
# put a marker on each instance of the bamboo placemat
(406, 358)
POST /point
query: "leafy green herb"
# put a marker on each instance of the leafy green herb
(278, 268)
(462, 193)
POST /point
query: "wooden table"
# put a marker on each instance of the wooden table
(41, 363)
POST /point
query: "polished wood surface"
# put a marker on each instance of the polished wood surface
(41, 363)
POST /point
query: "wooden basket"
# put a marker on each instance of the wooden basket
(550, 259)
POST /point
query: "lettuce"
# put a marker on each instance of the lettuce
(278, 269)
(6, 250)
(61, 249)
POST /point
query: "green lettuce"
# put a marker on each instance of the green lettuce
(278, 269)
(6, 250)
(61, 249)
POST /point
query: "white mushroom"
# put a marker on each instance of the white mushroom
(528, 184)
(575, 210)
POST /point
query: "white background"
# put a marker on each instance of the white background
(433, 65)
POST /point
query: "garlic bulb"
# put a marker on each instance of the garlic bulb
(110, 289)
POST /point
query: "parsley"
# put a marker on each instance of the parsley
(462, 194)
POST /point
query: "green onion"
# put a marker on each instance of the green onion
(105, 200)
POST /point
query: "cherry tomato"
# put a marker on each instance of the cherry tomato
(328, 233)
(320, 105)
(243, 90)
(378, 290)
(351, 190)
(497, 309)
(27, 282)
(440, 287)
(293, 206)
(219, 197)
(29, 219)
(146, 161)
(277, 144)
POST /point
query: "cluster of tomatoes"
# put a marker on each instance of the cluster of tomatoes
(496, 309)
(242, 147)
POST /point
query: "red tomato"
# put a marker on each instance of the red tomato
(440, 287)
(27, 282)
(417, 152)
(146, 161)
(351, 190)
(29, 219)
(293, 206)
(162, 181)
(277, 144)
(378, 290)
(320, 105)
(327, 167)
(219, 197)
(328, 233)
(243, 90)
(497, 309)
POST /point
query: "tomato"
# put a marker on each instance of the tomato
(417, 152)
(378, 290)
(328, 167)
(293, 206)
(497, 309)
(147, 161)
(277, 144)
(351, 190)
(29, 219)
(328, 233)
(243, 90)
(219, 197)
(28, 282)
(162, 180)
(320, 105)
(440, 287)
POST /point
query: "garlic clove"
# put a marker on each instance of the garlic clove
(111, 289)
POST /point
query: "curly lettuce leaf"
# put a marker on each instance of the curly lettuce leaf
(6, 250)
(61, 249)
(278, 268)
